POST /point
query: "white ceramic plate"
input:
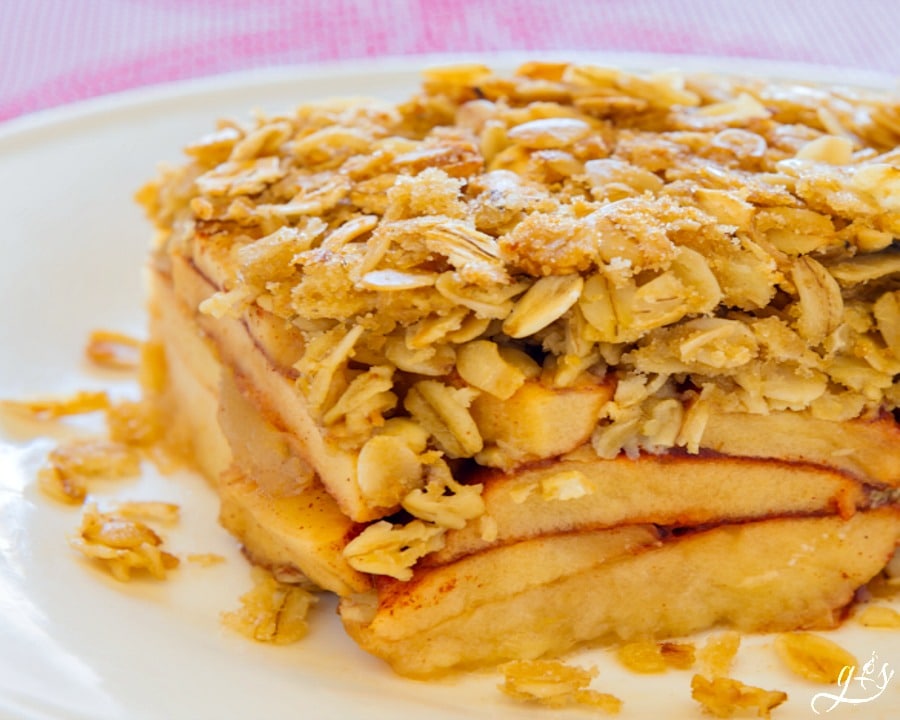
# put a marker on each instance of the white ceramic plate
(77, 645)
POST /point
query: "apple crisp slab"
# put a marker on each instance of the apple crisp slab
(533, 360)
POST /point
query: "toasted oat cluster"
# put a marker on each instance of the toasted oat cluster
(646, 656)
(814, 657)
(555, 684)
(272, 612)
(70, 467)
(723, 697)
(700, 243)
(122, 542)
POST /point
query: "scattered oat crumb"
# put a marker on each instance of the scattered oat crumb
(813, 657)
(147, 510)
(554, 684)
(272, 612)
(879, 616)
(68, 489)
(646, 656)
(122, 545)
(602, 701)
(135, 423)
(717, 655)
(205, 559)
(69, 468)
(113, 350)
(79, 403)
(549, 682)
(723, 696)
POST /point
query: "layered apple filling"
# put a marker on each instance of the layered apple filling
(538, 359)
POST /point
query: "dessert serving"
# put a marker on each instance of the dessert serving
(534, 360)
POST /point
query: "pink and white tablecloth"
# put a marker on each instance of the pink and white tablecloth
(58, 51)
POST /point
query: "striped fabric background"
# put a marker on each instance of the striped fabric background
(58, 51)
